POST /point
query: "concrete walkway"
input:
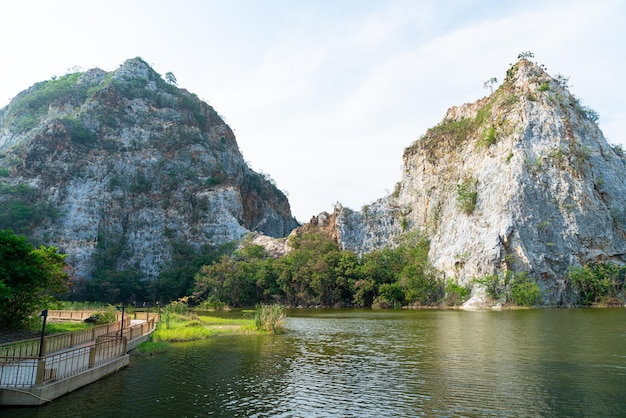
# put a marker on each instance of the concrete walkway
(65, 370)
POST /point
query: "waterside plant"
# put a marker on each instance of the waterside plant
(270, 318)
(179, 324)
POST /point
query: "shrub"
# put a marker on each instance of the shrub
(173, 310)
(466, 195)
(212, 304)
(456, 294)
(488, 138)
(544, 87)
(599, 283)
(516, 288)
(524, 291)
(104, 317)
(390, 295)
(421, 285)
(591, 114)
(618, 149)
(270, 318)
(493, 284)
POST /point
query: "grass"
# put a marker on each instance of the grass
(66, 326)
(488, 138)
(149, 348)
(270, 318)
(191, 327)
(185, 326)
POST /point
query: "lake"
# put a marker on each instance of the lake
(363, 363)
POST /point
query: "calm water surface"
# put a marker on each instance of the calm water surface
(534, 363)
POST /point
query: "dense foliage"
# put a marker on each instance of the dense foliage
(317, 273)
(28, 277)
(113, 285)
(510, 287)
(599, 283)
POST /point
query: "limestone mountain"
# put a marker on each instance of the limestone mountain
(522, 180)
(119, 169)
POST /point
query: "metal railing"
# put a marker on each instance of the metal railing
(27, 371)
(60, 341)
(76, 315)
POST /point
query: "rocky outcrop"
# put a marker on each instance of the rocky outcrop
(522, 180)
(117, 167)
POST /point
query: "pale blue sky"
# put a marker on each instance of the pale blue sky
(325, 95)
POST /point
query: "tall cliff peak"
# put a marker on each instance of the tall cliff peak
(120, 169)
(522, 180)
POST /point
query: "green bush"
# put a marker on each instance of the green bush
(390, 295)
(466, 195)
(174, 310)
(26, 109)
(488, 138)
(270, 318)
(456, 294)
(599, 283)
(152, 347)
(524, 291)
(79, 133)
(105, 317)
(511, 287)
(212, 304)
(494, 285)
(544, 87)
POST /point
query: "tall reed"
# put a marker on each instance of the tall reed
(270, 318)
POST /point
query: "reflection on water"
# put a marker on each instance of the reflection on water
(378, 363)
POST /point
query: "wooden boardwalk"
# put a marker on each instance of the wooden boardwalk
(28, 379)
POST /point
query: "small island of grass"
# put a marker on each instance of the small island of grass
(180, 325)
(190, 327)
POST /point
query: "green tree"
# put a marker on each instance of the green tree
(170, 78)
(599, 283)
(524, 290)
(28, 277)
(490, 83)
(418, 278)
(307, 274)
(525, 55)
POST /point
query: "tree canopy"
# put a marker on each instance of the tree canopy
(317, 273)
(28, 277)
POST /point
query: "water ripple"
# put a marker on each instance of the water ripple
(544, 363)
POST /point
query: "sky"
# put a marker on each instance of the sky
(324, 96)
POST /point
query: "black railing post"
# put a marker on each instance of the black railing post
(43, 313)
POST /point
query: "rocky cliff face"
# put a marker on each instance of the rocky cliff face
(522, 180)
(118, 167)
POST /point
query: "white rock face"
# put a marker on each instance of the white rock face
(550, 192)
(131, 166)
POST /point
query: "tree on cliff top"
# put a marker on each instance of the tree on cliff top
(28, 276)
